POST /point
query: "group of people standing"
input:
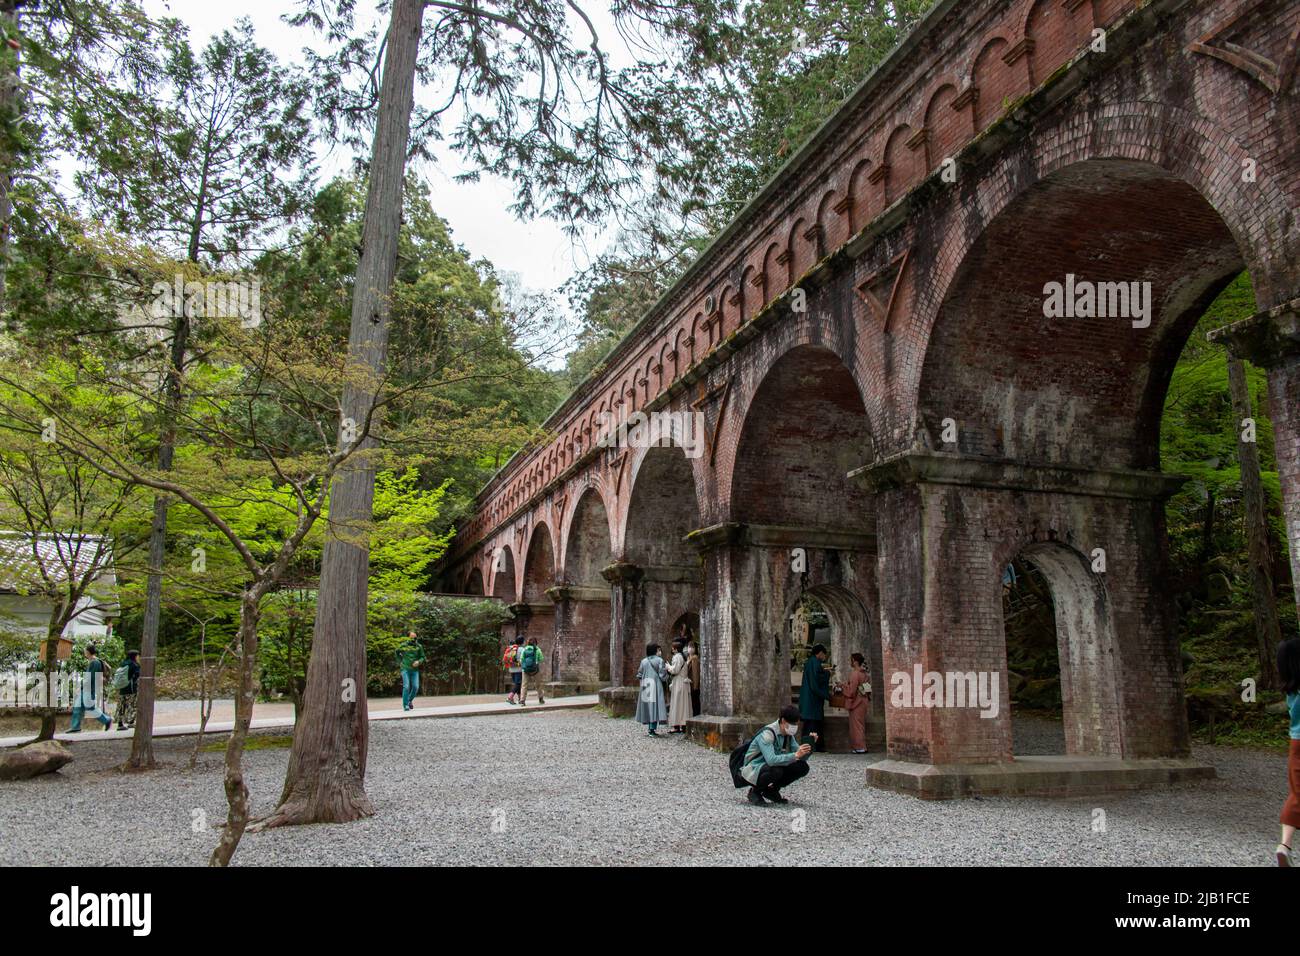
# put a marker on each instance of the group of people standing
(815, 693)
(681, 677)
(523, 661)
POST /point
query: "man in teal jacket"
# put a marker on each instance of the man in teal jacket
(814, 693)
(774, 760)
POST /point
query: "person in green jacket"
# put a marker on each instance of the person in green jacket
(410, 658)
(813, 695)
(531, 659)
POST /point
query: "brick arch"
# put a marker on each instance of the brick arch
(993, 79)
(775, 275)
(1088, 648)
(900, 163)
(1076, 391)
(944, 126)
(473, 581)
(858, 194)
(539, 564)
(696, 347)
(663, 486)
(803, 428)
(802, 252)
(1188, 146)
(751, 296)
(588, 539)
(730, 303)
(503, 573)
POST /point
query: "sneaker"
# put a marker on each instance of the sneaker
(541, 700)
(775, 796)
(108, 726)
(1283, 855)
(756, 798)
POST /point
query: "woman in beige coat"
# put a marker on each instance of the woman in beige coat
(679, 711)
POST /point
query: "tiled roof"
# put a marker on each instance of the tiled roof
(58, 555)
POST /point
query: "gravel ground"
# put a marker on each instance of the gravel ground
(576, 787)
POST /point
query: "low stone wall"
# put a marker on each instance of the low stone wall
(618, 701)
(725, 733)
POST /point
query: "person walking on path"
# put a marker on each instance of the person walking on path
(410, 658)
(679, 710)
(651, 674)
(511, 660)
(530, 662)
(857, 699)
(1288, 666)
(814, 692)
(773, 760)
(693, 672)
(90, 696)
(127, 689)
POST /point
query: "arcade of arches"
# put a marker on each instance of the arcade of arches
(888, 441)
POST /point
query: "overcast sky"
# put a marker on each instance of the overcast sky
(537, 251)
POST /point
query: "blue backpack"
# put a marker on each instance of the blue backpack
(528, 658)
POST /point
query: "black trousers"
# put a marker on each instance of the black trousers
(811, 726)
(774, 778)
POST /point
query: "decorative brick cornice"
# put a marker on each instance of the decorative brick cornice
(966, 97)
(1267, 339)
(971, 471)
(1022, 47)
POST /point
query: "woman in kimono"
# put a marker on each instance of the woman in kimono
(680, 710)
(858, 702)
(651, 674)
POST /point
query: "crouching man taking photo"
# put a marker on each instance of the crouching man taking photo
(773, 760)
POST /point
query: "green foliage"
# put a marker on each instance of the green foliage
(461, 639)
(109, 649)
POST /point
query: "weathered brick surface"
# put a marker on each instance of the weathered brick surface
(1169, 159)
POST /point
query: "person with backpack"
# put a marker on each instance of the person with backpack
(530, 662)
(651, 674)
(126, 681)
(1288, 667)
(410, 658)
(510, 661)
(771, 760)
(90, 695)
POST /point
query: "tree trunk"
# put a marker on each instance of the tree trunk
(9, 105)
(1268, 630)
(326, 778)
(49, 713)
(1207, 526)
(142, 740)
(236, 788)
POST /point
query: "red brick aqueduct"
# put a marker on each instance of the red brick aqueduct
(867, 347)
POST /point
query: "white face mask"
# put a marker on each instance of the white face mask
(789, 731)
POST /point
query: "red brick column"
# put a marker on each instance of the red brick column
(582, 627)
(948, 525)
